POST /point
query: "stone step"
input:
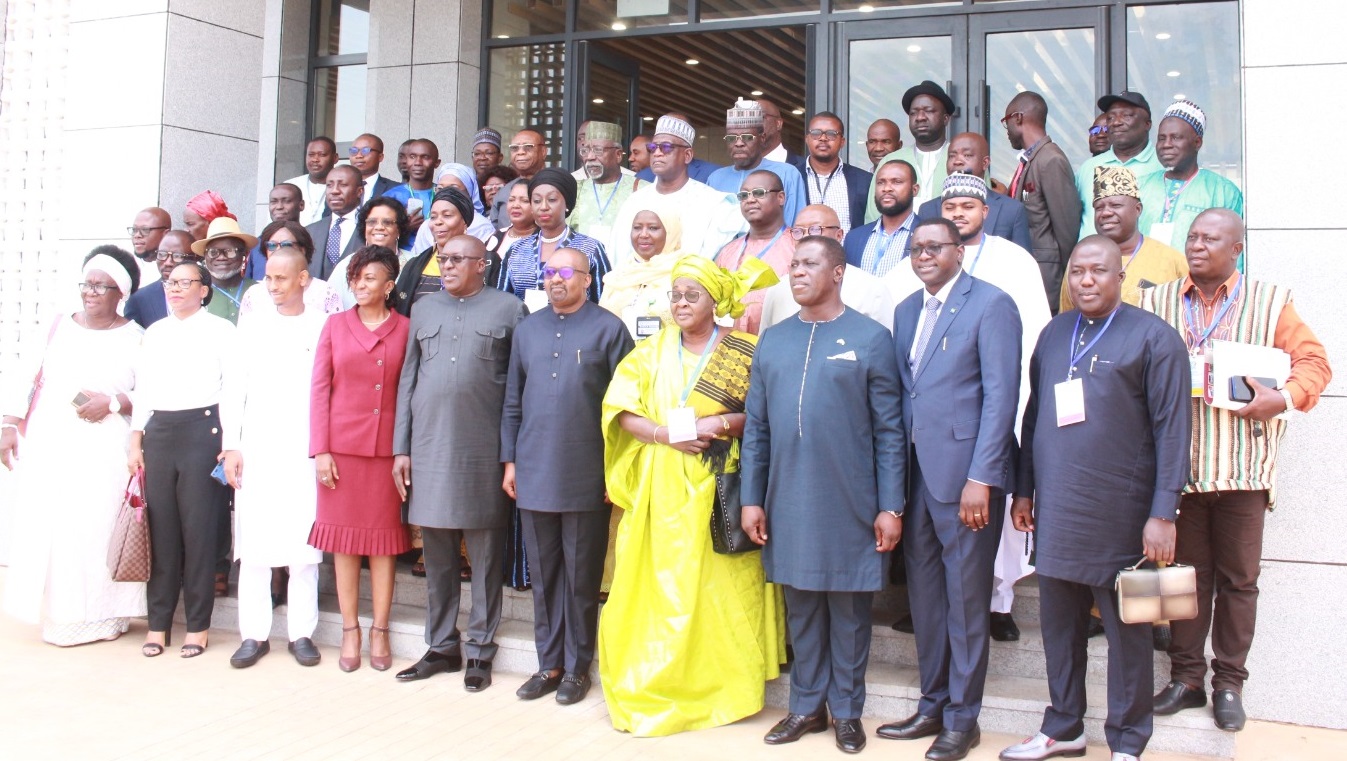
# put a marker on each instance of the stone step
(1012, 704)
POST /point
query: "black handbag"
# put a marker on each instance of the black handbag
(727, 530)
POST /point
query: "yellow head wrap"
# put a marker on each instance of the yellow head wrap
(727, 288)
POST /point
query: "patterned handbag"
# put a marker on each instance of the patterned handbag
(727, 532)
(129, 549)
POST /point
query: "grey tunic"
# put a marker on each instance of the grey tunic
(825, 459)
(449, 408)
(1097, 482)
(560, 366)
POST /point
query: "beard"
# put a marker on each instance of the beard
(896, 208)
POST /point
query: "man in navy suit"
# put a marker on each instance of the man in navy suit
(827, 180)
(1006, 217)
(367, 152)
(958, 343)
(337, 235)
(878, 248)
(148, 304)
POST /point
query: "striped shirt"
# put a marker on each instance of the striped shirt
(829, 190)
(523, 267)
(883, 251)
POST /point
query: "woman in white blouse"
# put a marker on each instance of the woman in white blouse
(175, 436)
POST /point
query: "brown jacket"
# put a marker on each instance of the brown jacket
(1048, 192)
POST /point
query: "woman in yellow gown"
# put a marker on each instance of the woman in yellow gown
(688, 637)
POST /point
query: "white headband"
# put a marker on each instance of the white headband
(113, 269)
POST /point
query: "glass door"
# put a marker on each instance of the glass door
(609, 84)
(1059, 55)
(882, 59)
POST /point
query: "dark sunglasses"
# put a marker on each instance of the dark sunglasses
(1098, 130)
(665, 147)
(566, 272)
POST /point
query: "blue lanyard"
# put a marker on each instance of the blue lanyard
(886, 239)
(226, 294)
(1172, 196)
(982, 244)
(1190, 315)
(1140, 240)
(701, 365)
(603, 207)
(765, 249)
(1071, 350)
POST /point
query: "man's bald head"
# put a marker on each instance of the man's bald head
(1031, 107)
(1094, 276)
(820, 216)
(968, 152)
(1215, 242)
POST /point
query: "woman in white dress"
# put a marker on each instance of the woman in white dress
(72, 465)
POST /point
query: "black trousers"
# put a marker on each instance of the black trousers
(565, 552)
(185, 505)
(831, 634)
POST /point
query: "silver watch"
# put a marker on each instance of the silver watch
(114, 404)
(895, 514)
(1286, 394)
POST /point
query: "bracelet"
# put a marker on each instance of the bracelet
(724, 422)
(654, 437)
(3, 426)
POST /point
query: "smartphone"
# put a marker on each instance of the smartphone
(219, 473)
(413, 205)
(1243, 392)
(80, 400)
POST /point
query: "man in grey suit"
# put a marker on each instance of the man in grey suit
(447, 435)
(336, 236)
(551, 441)
(958, 346)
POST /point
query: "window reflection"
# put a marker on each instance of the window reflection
(713, 10)
(880, 72)
(1191, 51)
(343, 28)
(525, 18)
(527, 91)
(339, 102)
(619, 15)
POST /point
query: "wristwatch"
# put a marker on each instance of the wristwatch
(895, 514)
(114, 404)
(1286, 394)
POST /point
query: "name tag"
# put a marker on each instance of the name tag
(1070, 402)
(682, 424)
(535, 299)
(647, 326)
(1197, 365)
(1163, 231)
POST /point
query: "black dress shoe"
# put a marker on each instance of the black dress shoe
(477, 676)
(305, 652)
(1004, 629)
(1094, 628)
(573, 689)
(911, 728)
(538, 685)
(1177, 696)
(850, 735)
(431, 663)
(952, 745)
(795, 726)
(1228, 708)
(250, 652)
(904, 625)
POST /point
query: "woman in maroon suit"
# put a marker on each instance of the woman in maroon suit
(355, 387)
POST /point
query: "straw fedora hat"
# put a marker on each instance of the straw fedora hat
(223, 227)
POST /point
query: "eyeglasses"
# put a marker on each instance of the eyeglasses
(177, 257)
(566, 272)
(1005, 120)
(485, 153)
(455, 259)
(690, 297)
(181, 284)
(595, 151)
(666, 147)
(521, 147)
(97, 289)
(933, 250)
(354, 151)
(756, 193)
(371, 222)
(223, 253)
(141, 232)
(1098, 129)
(747, 137)
(831, 134)
(799, 232)
(272, 246)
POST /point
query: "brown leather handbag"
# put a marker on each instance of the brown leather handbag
(1147, 595)
(129, 549)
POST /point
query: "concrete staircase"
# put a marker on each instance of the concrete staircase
(1016, 692)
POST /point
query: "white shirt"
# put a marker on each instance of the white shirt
(181, 365)
(942, 296)
(315, 198)
(149, 271)
(777, 154)
(861, 291)
(320, 296)
(580, 173)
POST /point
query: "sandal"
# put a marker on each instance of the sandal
(419, 567)
(221, 584)
(350, 664)
(192, 650)
(152, 649)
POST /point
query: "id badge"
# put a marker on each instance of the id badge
(1197, 364)
(647, 326)
(682, 424)
(1162, 231)
(1070, 402)
(535, 299)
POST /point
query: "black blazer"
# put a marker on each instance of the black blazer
(320, 267)
(147, 306)
(1006, 218)
(382, 185)
(858, 188)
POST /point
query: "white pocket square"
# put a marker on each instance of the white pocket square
(849, 356)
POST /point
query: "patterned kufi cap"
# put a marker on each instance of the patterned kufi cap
(1189, 112)
(603, 131)
(486, 135)
(963, 185)
(672, 125)
(746, 114)
(1112, 181)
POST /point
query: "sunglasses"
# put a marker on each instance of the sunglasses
(747, 137)
(1098, 130)
(566, 272)
(272, 246)
(756, 193)
(666, 147)
(517, 147)
(354, 151)
(690, 297)
(455, 259)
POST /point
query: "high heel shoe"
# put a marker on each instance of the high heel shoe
(153, 649)
(380, 662)
(350, 664)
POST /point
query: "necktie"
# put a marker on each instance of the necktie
(333, 249)
(1015, 181)
(927, 327)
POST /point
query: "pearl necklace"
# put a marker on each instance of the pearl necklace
(546, 239)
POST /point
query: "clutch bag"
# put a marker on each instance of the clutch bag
(1147, 595)
(727, 530)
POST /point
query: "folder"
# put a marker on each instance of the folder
(1231, 358)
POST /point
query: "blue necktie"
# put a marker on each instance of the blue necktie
(334, 241)
(927, 327)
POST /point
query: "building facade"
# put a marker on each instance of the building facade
(160, 99)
